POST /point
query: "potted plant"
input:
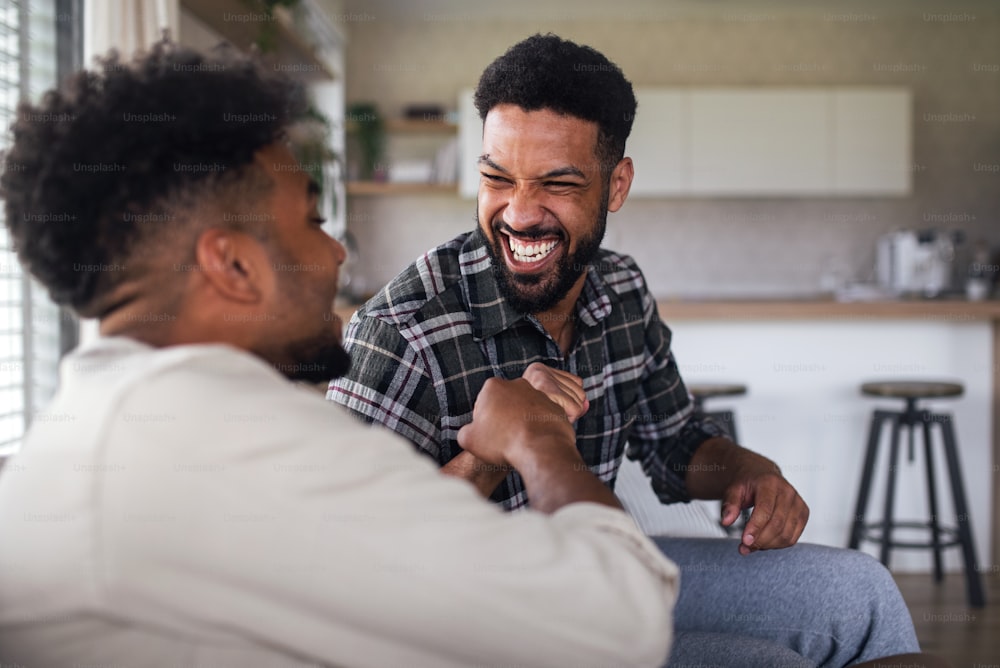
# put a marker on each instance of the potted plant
(369, 132)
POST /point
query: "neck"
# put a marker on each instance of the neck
(139, 313)
(154, 328)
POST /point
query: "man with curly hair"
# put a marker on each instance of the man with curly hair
(180, 503)
(531, 293)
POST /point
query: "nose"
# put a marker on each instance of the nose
(339, 252)
(523, 210)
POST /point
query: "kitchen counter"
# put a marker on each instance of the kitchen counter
(681, 314)
(811, 309)
(823, 309)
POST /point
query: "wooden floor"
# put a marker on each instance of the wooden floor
(947, 626)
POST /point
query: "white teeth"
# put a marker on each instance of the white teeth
(530, 252)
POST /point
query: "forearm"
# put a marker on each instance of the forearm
(485, 476)
(556, 479)
(717, 463)
(551, 481)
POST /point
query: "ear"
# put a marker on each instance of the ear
(234, 264)
(621, 182)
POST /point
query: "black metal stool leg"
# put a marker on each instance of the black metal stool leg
(932, 498)
(730, 419)
(867, 472)
(975, 584)
(890, 493)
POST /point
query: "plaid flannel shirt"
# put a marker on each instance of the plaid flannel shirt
(423, 347)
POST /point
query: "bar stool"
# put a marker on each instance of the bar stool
(702, 392)
(910, 418)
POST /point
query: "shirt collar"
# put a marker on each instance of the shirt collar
(492, 314)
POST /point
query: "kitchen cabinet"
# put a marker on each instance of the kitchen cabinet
(659, 144)
(758, 142)
(753, 142)
(871, 141)
(794, 142)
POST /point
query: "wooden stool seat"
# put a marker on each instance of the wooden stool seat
(912, 389)
(708, 390)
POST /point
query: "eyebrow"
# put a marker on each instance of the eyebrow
(562, 171)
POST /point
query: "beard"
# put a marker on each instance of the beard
(317, 359)
(312, 359)
(532, 293)
(315, 354)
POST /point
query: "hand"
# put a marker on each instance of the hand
(510, 416)
(560, 386)
(779, 513)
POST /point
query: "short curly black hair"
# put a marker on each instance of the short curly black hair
(548, 72)
(120, 154)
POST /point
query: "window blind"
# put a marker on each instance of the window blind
(30, 324)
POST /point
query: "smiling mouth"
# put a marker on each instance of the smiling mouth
(533, 252)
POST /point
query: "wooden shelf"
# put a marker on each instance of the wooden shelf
(405, 126)
(419, 125)
(291, 52)
(372, 188)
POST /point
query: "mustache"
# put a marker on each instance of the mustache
(532, 233)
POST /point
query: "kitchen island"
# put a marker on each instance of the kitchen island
(804, 361)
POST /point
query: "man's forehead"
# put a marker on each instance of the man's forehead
(550, 141)
(509, 122)
(539, 115)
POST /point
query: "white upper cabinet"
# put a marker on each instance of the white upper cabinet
(659, 145)
(759, 142)
(872, 141)
(754, 142)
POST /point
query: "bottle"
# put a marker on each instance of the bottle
(979, 279)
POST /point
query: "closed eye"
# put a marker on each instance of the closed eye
(494, 178)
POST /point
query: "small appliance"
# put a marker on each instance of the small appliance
(912, 262)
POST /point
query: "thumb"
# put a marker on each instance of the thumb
(465, 435)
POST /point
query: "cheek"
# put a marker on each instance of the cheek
(486, 211)
(578, 220)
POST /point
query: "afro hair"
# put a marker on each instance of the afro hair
(548, 72)
(93, 167)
